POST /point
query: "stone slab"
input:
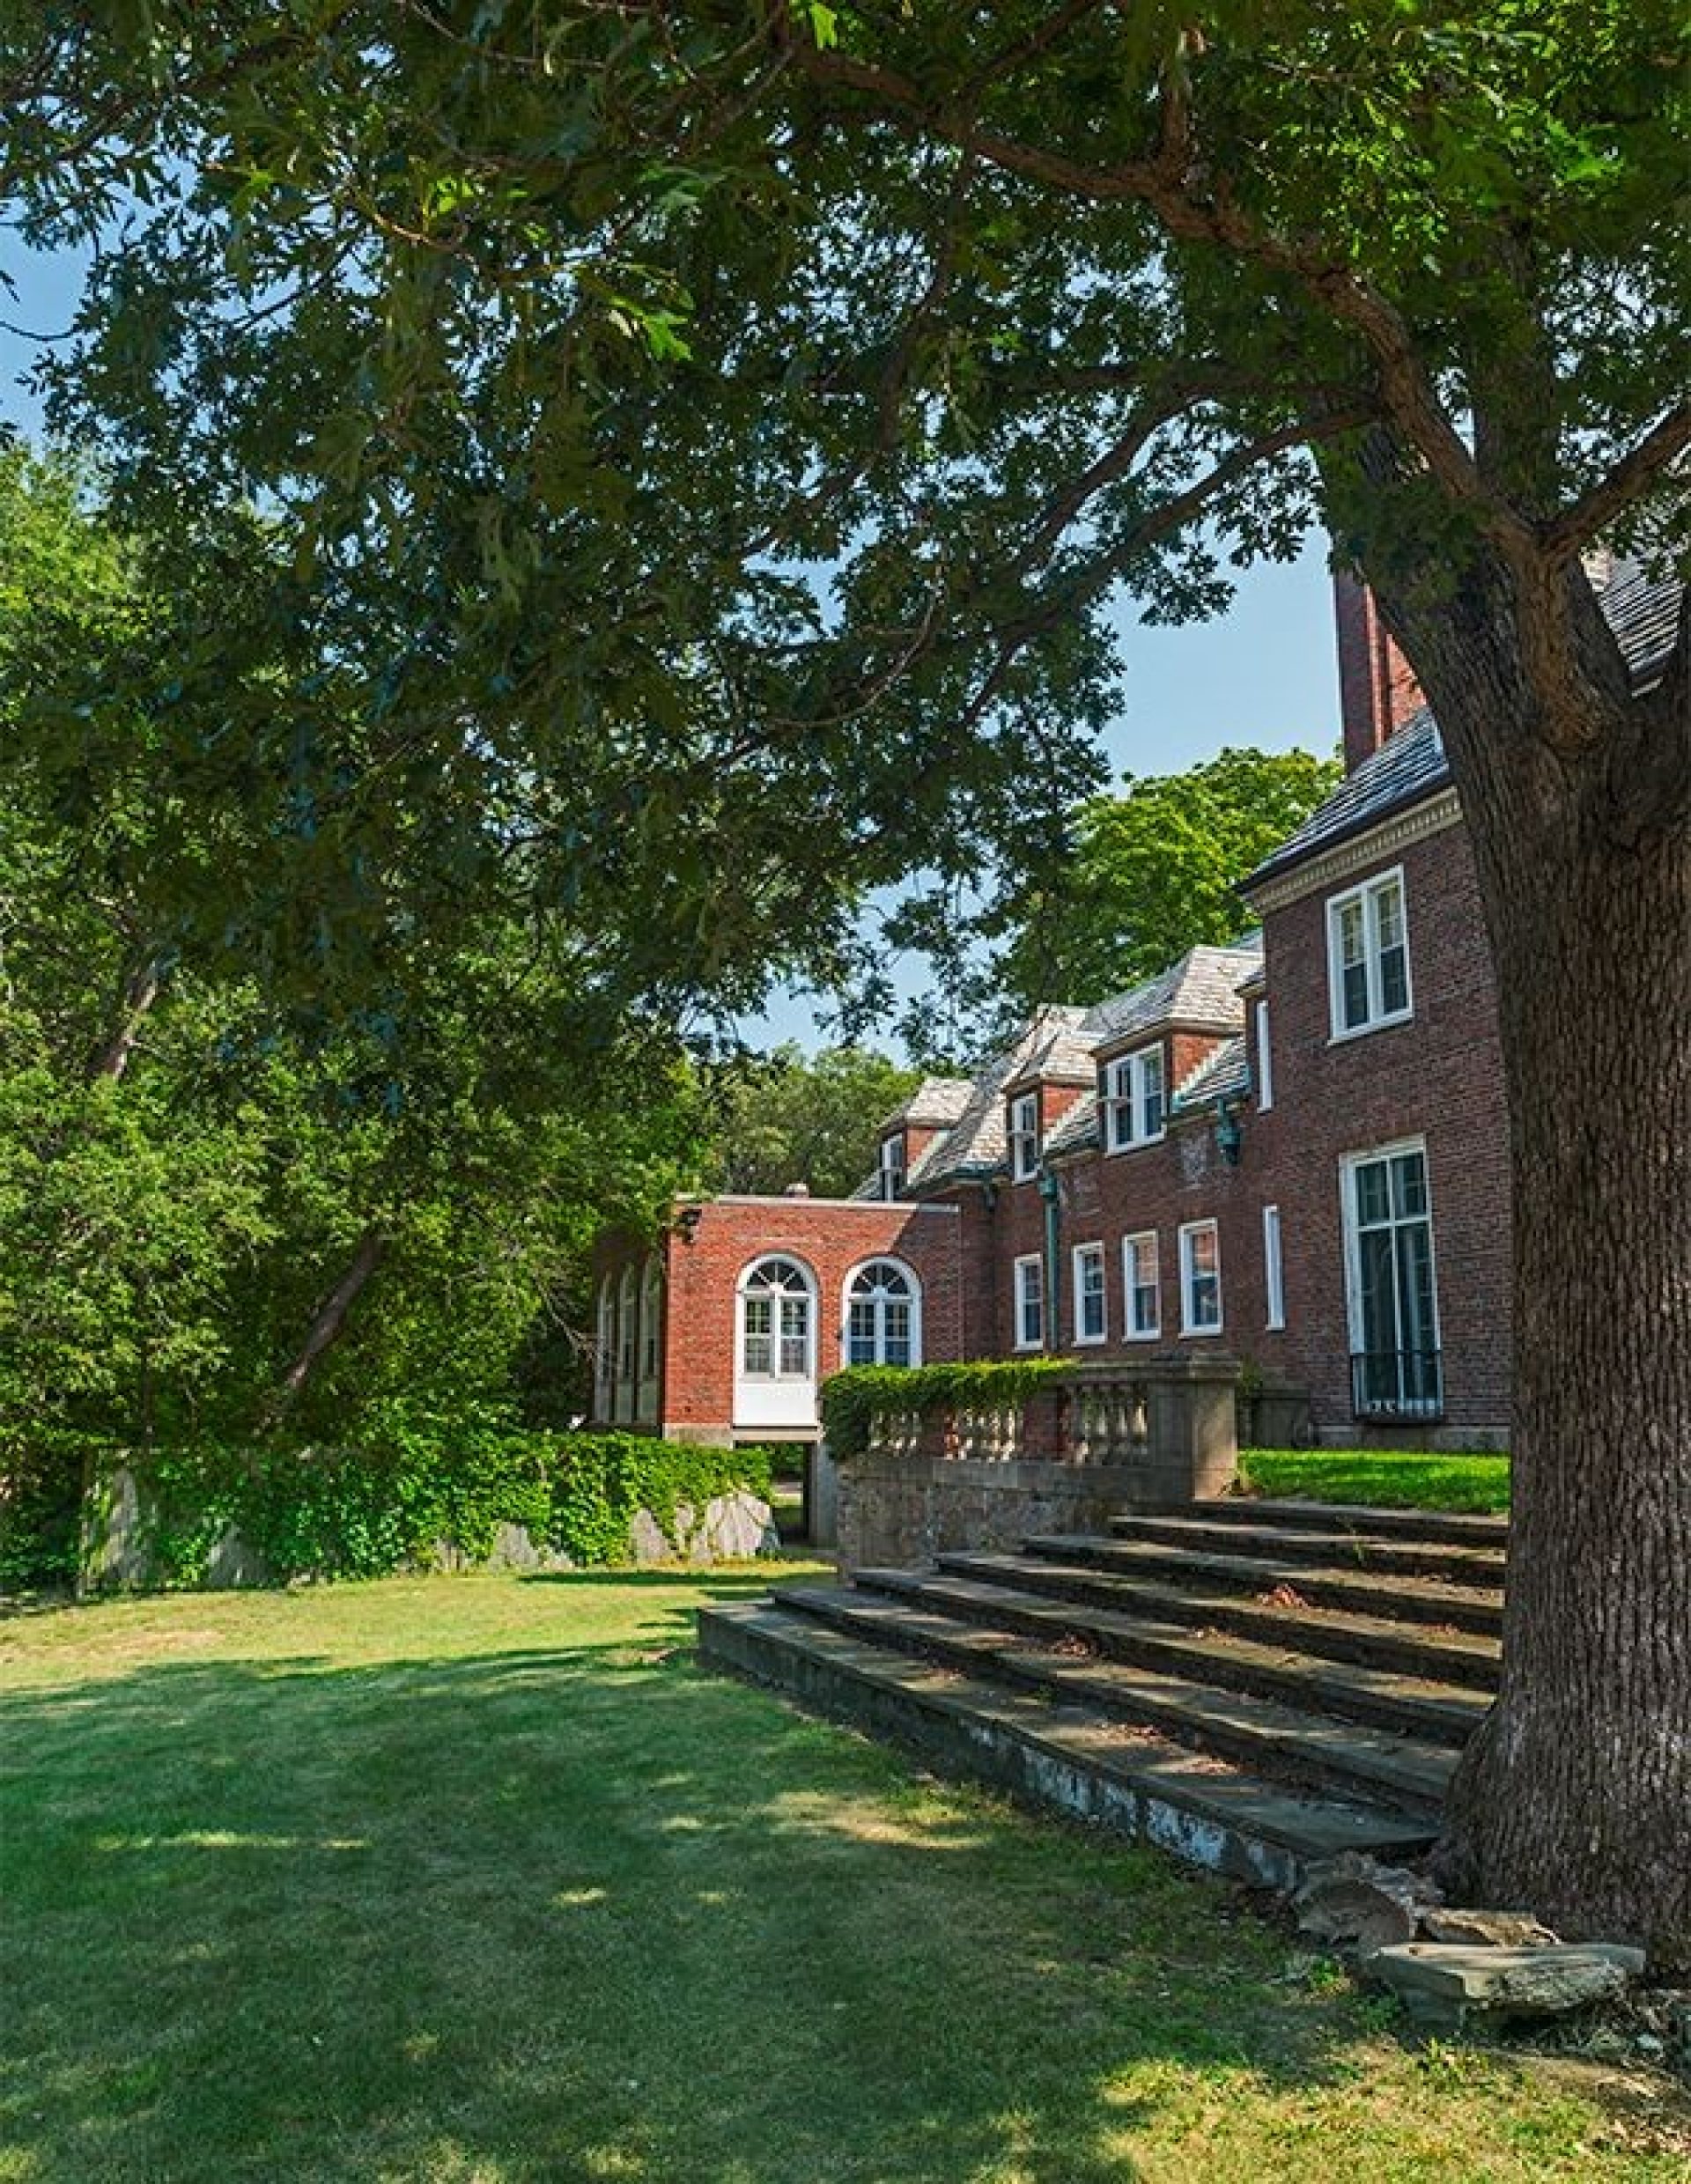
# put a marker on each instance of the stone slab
(1445, 1982)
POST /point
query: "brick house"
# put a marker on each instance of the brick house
(1293, 1152)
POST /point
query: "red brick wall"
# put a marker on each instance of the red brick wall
(830, 1237)
(1378, 690)
(1437, 1077)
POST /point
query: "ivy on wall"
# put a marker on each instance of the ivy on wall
(327, 1513)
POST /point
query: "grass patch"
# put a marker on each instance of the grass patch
(1387, 1479)
(479, 1878)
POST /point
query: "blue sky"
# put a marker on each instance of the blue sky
(1264, 674)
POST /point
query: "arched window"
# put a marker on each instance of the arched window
(883, 1302)
(627, 1335)
(604, 1349)
(651, 1318)
(777, 1321)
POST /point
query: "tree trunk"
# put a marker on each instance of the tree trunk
(327, 1327)
(1575, 1798)
(141, 989)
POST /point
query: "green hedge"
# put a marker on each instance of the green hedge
(364, 1512)
(40, 1507)
(850, 1399)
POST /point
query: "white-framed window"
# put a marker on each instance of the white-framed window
(1200, 1278)
(1024, 1136)
(1030, 1294)
(604, 1349)
(1392, 1286)
(883, 1314)
(1091, 1304)
(1134, 1104)
(1273, 1274)
(893, 1169)
(777, 1321)
(627, 1353)
(1368, 957)
(649, 1342)
(1264, 1059)
(1142, 1287)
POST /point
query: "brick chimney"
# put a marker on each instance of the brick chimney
(1378, 690)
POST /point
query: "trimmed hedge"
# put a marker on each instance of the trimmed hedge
(850, 1399)
(332, 1513)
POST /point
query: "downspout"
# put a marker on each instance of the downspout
(1051, 1198)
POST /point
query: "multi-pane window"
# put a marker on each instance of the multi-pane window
(1140, 1286)
(1024, 1136)
(1030, 1303)
(892, 1165)
(1200, 1279)
(881, 1316)
(1134, 1099)
(1273, 1277)
(1264, 1075)
(1091, 1309)
(1368, 957)
(604, 1350)
(776, 1319)
(1394, 1301)
(651, 1319)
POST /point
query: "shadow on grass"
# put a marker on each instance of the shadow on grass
(581, 1912)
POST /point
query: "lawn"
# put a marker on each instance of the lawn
(1388, 1478)
(479, 1878)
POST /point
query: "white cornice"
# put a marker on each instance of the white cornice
(1372, 846)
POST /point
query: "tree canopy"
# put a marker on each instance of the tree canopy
(787, 1118)
(696, 447)
(1155, 871)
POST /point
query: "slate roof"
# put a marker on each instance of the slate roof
(1643, 611)
(978, 1143)
(935, 1103)
(1224, 1075)
(1201, 990)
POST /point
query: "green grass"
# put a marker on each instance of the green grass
(1389, 1479)
(478, 1879)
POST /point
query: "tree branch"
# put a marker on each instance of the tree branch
(1614, 494)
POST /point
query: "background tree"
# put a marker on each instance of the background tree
(1153, 872)
(788, 1118)
(569, 343)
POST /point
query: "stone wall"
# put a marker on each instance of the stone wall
(1107, 1441)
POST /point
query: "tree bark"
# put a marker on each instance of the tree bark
(1575, 1798)
(141, 989)
(329, 1325)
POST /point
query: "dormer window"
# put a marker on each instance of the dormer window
(893, 1169)
(1024, 1137)
(1134, 1099)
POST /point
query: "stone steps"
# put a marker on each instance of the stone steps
(1334, 1546)
(1254, 1689)
(1409, 1705)
(1286, 1743)
(1447, 1656)
(1453, 1527)
(1414, 1599)
(1054, 1758)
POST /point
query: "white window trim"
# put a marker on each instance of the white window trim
(1264, 1059)
(1153, 1333)
(1037, 1262)
(1082, 1254)
(1024, 1144)
(1273, 1271)
(893, 1171)
(882, 1258)
(1377, 1020)
(1188, 1229)
(1350, 1230)
(1128, 1070)
(812, 1293)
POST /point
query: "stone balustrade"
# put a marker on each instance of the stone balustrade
(1105, 1439)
